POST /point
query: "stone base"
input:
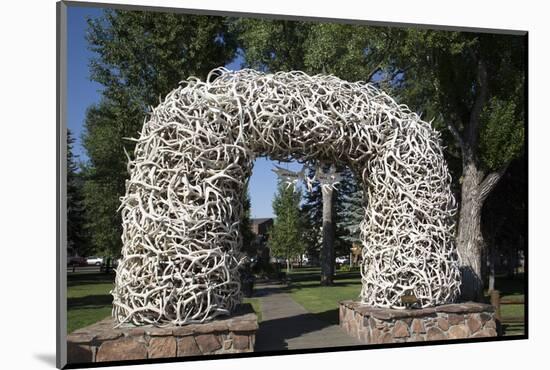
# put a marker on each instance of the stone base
(372, 325)
(100, 342)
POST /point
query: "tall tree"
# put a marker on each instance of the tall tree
(140, 57)
(77, 241)
(474, 85)
(286, 235)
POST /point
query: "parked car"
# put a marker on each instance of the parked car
(342, 260)
(97, 261)
(76, 261)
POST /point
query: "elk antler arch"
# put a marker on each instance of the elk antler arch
(192, 161)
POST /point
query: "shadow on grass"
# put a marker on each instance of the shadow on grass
(315, 276)
(88, 279)
(90, 301)
(272, 334)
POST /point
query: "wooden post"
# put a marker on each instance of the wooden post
(495, 302)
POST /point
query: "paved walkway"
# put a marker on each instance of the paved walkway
(288, 325)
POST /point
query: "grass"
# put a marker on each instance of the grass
(306, 290)
(323, 300)
(256, 306)
(89, 300)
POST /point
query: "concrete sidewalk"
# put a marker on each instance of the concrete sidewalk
(288, 325)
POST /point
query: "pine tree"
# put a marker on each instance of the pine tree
(312, 217)
(76, 212)
(286, 235)
(352, 210)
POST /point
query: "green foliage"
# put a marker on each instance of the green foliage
(351, 52)
(272, 45)
(502, 133)
(286, 235)
(245, 228)
(442, 81)
(77, 240)
(140, 57)
(312, 218)
(351, 209)
(145, 54)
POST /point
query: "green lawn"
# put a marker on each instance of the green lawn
(323, 301)
(89, 301)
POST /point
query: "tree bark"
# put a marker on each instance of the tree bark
(327, 251)
(470, 238)
(470, 243)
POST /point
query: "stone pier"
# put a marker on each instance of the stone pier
(100, 342)
(372, 325)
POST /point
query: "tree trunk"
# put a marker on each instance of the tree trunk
(470, 239)
(327, 252)
(470, 244)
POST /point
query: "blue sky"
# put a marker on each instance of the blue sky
(82, 93)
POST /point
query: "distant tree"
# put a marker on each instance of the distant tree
(312, 217)
(245, 228)
(77, 241)
(286, 235)
(322, 212)
(352, 210)
(140, 57)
